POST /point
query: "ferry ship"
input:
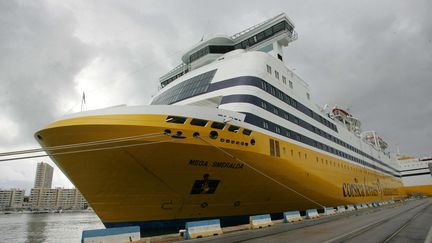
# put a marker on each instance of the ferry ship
(232, 132)
(416, 175)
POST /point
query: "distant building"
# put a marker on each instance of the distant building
(44, 175)
(11, 199)
(43, 198)
(58, 198)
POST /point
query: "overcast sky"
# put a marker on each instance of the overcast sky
(374, 58)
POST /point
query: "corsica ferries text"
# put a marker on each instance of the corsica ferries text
(359, 190)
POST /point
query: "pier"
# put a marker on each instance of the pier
(403, 221)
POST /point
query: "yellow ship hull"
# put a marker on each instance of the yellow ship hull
(425, 190)
(161, 181)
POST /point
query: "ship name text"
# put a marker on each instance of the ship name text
(215, 164)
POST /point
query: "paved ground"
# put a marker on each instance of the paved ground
(401, 222)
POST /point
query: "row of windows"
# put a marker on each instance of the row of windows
(289, 117)
(275, 92)
(329, 162)
(244, 44)
(210, 49)
(186, 89)
(168, 81)
(294, 103)
(263, 35)
(260, 122)
(203, 123)
(299, 106)
(269, 70)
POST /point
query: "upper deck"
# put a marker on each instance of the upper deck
(269, 36)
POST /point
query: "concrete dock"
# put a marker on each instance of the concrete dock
(407, 221)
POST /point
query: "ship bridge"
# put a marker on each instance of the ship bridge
(269, 36)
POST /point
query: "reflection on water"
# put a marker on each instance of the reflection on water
(50, 227)
(35, 231)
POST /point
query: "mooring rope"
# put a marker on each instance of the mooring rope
(262, 173)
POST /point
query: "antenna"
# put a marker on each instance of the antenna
(83, 102)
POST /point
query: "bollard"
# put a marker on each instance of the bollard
(329, 211)
(260, 221)
(292, 216)
(350, 208)
(312, 214)
(341, 209)
(204, 228)
(118, 234)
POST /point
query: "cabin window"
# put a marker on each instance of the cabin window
(247, 132)
(272, 150)
(308, 96)
(218, 125)
(276, 110)
(264, 105)
(263, 85)
(269, 69)
(277, 148)
(176, 119)
(277, 74)
(198, 122)
(283, 79)
(291, 84)
(278, 130)
(268, 32)
(265, 125)
(233, 128)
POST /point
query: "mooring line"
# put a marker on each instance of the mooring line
(263, 174)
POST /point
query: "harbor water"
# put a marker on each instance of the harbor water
(47, 227)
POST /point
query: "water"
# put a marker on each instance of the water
(49, 227)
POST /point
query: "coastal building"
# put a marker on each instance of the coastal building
(44, 175)
(57, 198)
(12, 198)
(42, 196)
(45, 198)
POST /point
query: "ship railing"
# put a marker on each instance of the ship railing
(241, 33)
(178, 69)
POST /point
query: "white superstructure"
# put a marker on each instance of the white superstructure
(417, 172)
(247, 75)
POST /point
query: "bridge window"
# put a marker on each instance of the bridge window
(218, 125)
(186, 89)
(176, 119)
(198, 122)
(233, 128)
(247, 132)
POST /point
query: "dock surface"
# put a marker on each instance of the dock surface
(408, 221)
